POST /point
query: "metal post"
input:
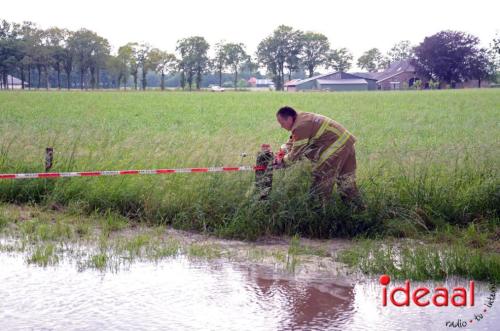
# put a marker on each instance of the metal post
(49, 156)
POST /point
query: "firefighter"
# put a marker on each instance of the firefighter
(329, 146)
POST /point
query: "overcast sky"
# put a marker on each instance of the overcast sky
(354, 24)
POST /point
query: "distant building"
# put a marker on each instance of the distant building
(402, 75)
(291, 85)
(333, 81)
(254, 82)
(399, 75)
(13, 83)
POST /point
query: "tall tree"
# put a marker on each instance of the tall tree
(68, 55)
(134, 62)
(9, 51)
(482, 66)
(99, 53)
(201, 47)
(17, 49)
(250, 67)
(125, 56)
(274, 51)
(43, 57)
(340, 59)
(144, 62)
(315, 51)
(236, 56)
(81, 42)
(55, 39)
(267, 56)
(113, 66)
(186, 63)
(450, 56)
(220, 59)
(5, 51)
(372, 60)
(495, 45)
(402, 50)
(164, 63)
(27, 50)
(193, 59)
(295, 47)
(494, 54)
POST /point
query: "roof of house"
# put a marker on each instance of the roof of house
(292, 82)
(302, 81)
(367, 75)
(15, 80)
(395, 68)
(341, 81)
(335, 75)
(350, 78)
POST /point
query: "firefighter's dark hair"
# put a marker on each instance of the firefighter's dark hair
(287, 112)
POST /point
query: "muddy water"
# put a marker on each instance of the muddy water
(182, 294)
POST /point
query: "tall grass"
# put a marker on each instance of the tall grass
(425, 158)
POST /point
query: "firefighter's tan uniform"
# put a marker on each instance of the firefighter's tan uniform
(331, 149)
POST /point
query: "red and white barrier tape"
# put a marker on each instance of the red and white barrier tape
(128, 172)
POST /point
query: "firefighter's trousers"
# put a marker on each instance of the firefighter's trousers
(340, 169)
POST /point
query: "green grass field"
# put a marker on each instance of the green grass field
(425, 159)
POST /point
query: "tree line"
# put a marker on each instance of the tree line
(83, 59)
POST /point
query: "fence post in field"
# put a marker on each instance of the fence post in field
(49, 156)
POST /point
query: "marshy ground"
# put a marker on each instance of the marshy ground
(110, 242)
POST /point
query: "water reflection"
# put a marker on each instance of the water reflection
(307, 305)
(180, 294)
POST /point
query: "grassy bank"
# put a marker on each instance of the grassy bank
(426, 159)
(111, 242)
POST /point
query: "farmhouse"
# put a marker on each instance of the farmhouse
(402, 75)
(399, 75)
(333, 81)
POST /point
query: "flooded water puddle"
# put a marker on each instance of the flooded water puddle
(184, 294)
